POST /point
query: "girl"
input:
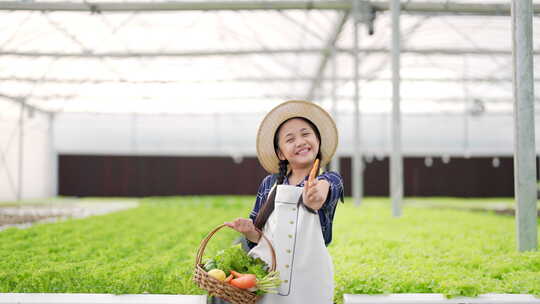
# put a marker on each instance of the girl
(296, 215)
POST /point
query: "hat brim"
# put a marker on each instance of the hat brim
(295, 108)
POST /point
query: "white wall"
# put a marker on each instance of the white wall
(38, 178)
(234, 134)
(437, 134)
(220, 135)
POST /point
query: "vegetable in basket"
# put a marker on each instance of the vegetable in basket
(235, 258)
(242, 280)
(243, 271)
(217, 274)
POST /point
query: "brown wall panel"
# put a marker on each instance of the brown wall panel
(86, 175)
(462, 177)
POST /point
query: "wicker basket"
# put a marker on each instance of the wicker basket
(221, 289)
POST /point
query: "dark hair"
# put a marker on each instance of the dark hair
(268, 206)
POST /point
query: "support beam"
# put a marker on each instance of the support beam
(424, 7)
(357, 171)
(396, 157)
(252, 80)
(326, 55)
(53, 161)
(247, 52)
(467, 109)
(21, 152)
(335, 164)
(524, 137)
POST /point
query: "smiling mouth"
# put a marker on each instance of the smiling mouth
(303, 150)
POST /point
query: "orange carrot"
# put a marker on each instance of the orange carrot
(246, 281)
(237, 274)
(229, 278)
(313, 172)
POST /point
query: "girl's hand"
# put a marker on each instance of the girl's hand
(315, 193)
(241, 225)
(246, 227)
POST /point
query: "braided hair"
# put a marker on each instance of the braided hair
(268, 206)
(282, 171)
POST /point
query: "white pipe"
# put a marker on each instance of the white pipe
(335, 164)
(53, 158)
(524, 137)
(21, 152)
(396, 159)
(357, 173)
(247, 52)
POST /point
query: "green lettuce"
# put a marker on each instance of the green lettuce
(235, 258)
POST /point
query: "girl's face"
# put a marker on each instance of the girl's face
(297, 143)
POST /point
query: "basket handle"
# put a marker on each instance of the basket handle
(204, 242)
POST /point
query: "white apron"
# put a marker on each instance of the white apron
(303, 261)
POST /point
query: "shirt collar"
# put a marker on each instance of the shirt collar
(300, 184)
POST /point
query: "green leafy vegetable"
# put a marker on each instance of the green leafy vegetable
(210, 264)
(235, 258)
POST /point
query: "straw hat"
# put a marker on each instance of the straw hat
(289, 109)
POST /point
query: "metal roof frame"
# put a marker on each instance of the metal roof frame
(244, 52)
(367, 7)
(448, 7)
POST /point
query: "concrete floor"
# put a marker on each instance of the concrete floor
(23, 216)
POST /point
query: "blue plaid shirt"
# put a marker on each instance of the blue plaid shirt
(327, 211)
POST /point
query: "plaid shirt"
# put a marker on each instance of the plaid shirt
(326, 213)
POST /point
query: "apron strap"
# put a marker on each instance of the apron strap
(301, 202)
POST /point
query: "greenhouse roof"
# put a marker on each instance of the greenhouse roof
(247, 56)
